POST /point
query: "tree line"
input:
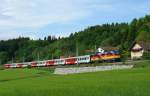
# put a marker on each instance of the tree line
(121, 35)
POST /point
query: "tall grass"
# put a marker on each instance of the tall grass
(35, 82)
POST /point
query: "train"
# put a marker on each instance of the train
(109, 56)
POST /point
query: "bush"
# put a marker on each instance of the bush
(142, 64)
(146, 55)
(29, 66)
(124, 56)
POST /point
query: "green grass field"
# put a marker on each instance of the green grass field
(35, 82)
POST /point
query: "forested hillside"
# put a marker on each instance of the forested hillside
(118, 35)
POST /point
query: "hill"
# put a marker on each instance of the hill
(118, 35)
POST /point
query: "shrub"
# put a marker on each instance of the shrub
(146, 55)
(142, 64)
(29, 66)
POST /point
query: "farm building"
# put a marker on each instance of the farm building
(138, 49)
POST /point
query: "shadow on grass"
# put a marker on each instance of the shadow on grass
(21, 78)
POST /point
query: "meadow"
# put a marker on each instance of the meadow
(39, 82)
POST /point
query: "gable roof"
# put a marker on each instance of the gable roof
(144, 45)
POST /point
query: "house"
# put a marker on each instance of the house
(138, 49)
(100, 50)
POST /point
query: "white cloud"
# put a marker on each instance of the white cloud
(33, 15)
(37, 13)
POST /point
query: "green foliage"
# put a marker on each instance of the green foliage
(142, 64)
(29, 66)
(3, 57)
(143, 36)
(146, 55)
(124, 55)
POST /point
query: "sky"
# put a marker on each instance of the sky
(39, 18)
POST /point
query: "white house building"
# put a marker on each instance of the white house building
(140, 49)
(137, 51)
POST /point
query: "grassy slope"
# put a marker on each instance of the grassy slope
(33, 82)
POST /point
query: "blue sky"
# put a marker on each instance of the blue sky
(40, 18)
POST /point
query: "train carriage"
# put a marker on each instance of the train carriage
(83, 59)
(50, 62)
(59, 61)
(19, 65)
(14, 65)
(25, 64)
(71, 60)
(41, 63)
(34, 64)
(7, 65)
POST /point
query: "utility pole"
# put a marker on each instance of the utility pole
(52, 56)
(77, 51)
(23, 59)
(38, 56)
(12, 60)
(95, 49)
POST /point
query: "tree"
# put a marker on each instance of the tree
(3, 57)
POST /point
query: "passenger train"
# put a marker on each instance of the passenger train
(97, 57)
